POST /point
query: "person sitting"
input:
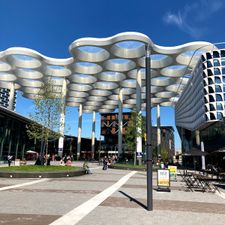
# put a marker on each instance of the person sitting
(86, 168)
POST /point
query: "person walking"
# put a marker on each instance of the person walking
(105, 163)
(9, 158)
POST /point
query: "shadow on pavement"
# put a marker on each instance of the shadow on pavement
(134, 200)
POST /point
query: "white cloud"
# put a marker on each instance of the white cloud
(192, 17)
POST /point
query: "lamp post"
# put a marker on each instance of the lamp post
(148, 128)
(99, 151)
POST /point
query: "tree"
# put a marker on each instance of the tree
(164, 154)
(46, 116)
(135, 128)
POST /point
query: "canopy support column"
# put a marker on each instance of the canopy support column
(203, 156)
(138, 119)
(62, 120)
(148, 128)
(120, 120)
(79, 132)
(158, 132)
(93, 135)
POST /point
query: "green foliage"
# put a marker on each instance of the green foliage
(46, 115)
(164, 154)
(135, 128)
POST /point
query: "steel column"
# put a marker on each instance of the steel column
(79, 132)
(93, 135)
(120, 127)
(62, 119)
(158, 132)
(139, 114)
(148, 129)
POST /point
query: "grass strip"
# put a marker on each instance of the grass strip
(34, 168)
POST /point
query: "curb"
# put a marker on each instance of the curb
(125, 168)
(42, 174)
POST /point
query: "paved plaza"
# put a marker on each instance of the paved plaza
(110, 197)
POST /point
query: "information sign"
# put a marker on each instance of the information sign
(173, 173)
(163, 179)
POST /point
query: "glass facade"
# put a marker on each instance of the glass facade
(14, 139)
(109, 129)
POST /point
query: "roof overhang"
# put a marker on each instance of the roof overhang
(100, 67)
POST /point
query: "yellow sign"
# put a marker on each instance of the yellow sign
(173, 173)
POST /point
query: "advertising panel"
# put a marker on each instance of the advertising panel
(163, 178)
(173, 173)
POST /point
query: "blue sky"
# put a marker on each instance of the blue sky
(50, 26)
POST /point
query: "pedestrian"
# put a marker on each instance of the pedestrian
(48, 159)
(105, 163)
(86, 168)
(9, 158)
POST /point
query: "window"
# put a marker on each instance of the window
(210, 81)
(216, 54)
(211, 107)
(218, 88)
(208, 55)
(216, 62)
(209, 64)
(223, 70)
(212, 116)
(219, 116)
(219, 98)
(211, 90)
(217, 71)
(211, 98)
(217, 80)
(219, 106)
(209, 72)
(222, 53)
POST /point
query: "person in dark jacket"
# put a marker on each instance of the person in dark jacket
(105, 163)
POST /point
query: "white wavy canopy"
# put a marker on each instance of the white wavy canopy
(100, 67)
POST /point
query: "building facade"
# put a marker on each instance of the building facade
(4, 98)
(109, 129)
(14, 139)
(200, 111)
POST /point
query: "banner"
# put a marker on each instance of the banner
(173, 173)
(163, 178)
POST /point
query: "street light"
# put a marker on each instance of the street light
(148, 128)
(99, 151)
